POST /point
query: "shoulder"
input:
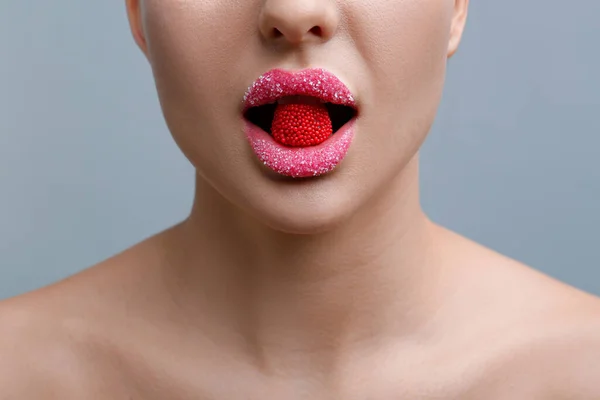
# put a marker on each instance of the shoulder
(559, 349)
(46, 351)
(550, 348)
(71, 340)
(33, 354)
(558, 361)
(546, 356)
(570, 355)
(530, 335)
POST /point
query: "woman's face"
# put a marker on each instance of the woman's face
(390, 54)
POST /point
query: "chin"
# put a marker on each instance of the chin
(303, 208)
(303, 220)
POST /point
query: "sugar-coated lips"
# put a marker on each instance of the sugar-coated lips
(283, 86)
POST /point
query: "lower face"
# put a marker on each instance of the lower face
(390, 55)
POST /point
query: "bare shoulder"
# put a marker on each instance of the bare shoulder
(539, 338)
(36, 359)
(573, 360)
(66, 340)
(59, 342)
(562, 352)
(560, 359)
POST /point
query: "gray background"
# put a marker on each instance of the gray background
(87, 167)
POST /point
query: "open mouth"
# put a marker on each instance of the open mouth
(299, 124)
(263, 116)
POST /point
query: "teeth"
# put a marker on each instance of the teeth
(300, 100)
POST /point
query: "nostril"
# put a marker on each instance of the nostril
(316, 30)
(277, 33)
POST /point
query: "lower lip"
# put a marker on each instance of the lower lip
(300, 162)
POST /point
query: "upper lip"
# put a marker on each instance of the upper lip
(314, 82)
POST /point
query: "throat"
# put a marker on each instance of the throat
(362, 282)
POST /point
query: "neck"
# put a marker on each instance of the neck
(363, 281)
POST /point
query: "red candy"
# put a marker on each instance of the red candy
(301, 125)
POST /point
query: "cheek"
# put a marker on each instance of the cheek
(192, 46)
(404, 43)
(397, 32)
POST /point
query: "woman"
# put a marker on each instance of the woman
(306, 268)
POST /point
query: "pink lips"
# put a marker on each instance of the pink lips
(299, 162)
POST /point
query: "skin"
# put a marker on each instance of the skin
(335, 287)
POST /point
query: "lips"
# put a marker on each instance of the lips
(314, 88)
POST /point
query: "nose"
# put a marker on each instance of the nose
(298, 21)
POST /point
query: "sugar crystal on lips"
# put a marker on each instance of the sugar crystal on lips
(300, 162)
(301, 143)
(315, 83)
